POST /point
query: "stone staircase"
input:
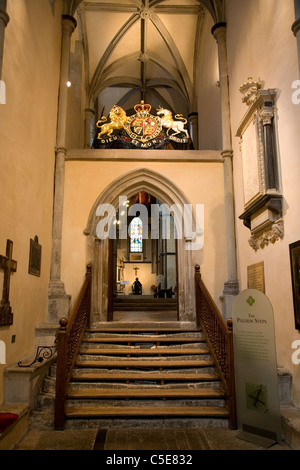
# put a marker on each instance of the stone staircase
(139, 376)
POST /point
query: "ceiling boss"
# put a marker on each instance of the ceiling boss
(143, 129)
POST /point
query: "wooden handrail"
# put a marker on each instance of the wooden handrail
(219, 337)
(69, 338)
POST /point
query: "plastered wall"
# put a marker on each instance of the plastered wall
(261, 45)
(27, 135)
(85, 181)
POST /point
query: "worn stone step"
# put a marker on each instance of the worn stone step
(156, 351)
(141, 339)
(142, 329)
(144, 385)
(146, 411)
(142, 376)
(148, 332)
(131, 393)
(145, 307)
(137, 363)
(159, 301)
(145, 325)
(148, 402)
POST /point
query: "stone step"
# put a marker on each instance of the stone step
(146, 301)
(138, 298)
(141, 339)
(148, 402)
(115, 376)
(176, 325)
(149, 332)
(144, 307)
(132, 351)
(132, 328)
(131, 393)
(146, 411)
(144, 363)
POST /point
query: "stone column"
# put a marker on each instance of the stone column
(231, 287)
(88, 115)
(296, 28)
(58, 301)
(193, 120)
(4, 19)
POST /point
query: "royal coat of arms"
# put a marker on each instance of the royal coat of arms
(143, 130)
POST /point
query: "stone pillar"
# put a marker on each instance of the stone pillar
(231, 287)
(193, 121)
(58, 300)
(296, 28)
(4, 19)
(88, 115)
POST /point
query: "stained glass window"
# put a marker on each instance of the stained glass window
(136, 235)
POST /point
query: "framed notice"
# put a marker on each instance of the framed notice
(256, 277)
(295, 273)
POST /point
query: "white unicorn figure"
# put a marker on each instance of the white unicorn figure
(167, 121)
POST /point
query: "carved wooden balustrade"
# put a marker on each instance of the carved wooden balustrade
(69, 339)
(219, 337)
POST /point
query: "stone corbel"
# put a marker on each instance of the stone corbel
(264, 238)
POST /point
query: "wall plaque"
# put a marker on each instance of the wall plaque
(263, 214)
(258, 406)
(35, 257)
(256, 277)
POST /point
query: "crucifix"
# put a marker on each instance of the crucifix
(9, 266)
(136, 270)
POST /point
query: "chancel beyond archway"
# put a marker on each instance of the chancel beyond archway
(145, 262)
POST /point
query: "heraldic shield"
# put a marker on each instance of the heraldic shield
(142, 126)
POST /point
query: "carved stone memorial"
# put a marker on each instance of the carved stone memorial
(257, 390)
(262, 197)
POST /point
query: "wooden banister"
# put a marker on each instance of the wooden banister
(69, 338)
(219, 337)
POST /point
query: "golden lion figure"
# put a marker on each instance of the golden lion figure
(118, 118)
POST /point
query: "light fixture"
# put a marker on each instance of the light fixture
(69, 83)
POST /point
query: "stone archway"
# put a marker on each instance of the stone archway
(98, 250)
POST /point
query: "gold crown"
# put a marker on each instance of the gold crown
(142, 107)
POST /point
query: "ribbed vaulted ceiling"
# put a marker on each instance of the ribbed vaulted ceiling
(142, 50)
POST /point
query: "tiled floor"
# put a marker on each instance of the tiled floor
(139, 439)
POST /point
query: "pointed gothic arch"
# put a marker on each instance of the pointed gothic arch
(97, 250)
